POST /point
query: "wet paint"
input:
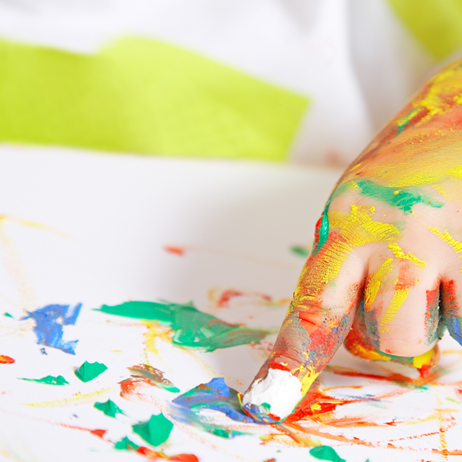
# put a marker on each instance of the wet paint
(155, 431)
(326, 453)
(8, 315)
(154, 455)
(109, 408)
(49, 380)
(402, 198)
(321, 230)
(6, 360)
(175, 250)
(214, 395)
(192, 328)
(89, 371)
(125, 445)
(432, 314)
(153, 376)
(49, 322)
(451, 313)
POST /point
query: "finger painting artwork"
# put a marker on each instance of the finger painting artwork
(139, 298)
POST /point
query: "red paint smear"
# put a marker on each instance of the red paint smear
(99, 433)
(275, 365)
(228, 295)
(130, 386)
(6, 360)
(175, 250)
(153, 455)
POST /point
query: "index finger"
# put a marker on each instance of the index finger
(320, 315)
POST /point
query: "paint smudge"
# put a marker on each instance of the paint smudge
(214, 395)
(49, 322)
(6, 360)
(50, 380)
(300, 251)
(175, 250)
(223, 301)
(326, 453)
(125, 444)
(89, 371)
(153, 376)
(8, 315)
(153, 455)
(155, 431)
(109, 408)
(192, 328)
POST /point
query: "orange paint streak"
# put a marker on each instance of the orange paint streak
(227, 295)
(175, 250)
(154, 455)
(6, 360)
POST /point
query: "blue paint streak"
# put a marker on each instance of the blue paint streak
(215, 395)
(49, 322)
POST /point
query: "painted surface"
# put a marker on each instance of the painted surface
(89, 371)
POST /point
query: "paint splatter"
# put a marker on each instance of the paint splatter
(89, 371)
(155, 431)
(154, 455)
(192, 328)
(326, 453)
(226, 296)
(215, 395)
(109, 408)
(175, 250)
(300, 251)
(8, 315)
(125, 444)
(49, 322)
(153, 376)
(50, 380)
(6, 360)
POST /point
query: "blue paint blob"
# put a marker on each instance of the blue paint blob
(215, 395)
(49, 322)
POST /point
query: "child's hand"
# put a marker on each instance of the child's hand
(385, 271)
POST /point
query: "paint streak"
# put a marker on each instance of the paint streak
(155, 431)
(192, 328)
(89, 371)
(300, 251)
(6, 360)
(432, 314)
(214, 395)
(109, 408)
(50, 380)
(8, 315)
(374, 283)
(403, 198)
(77, 398)
(227, 295)
(125, 445)
(153, 376)
(322, 230)
(448, 239)
(49, 322)
(451, 316)
(398, 253)
(326, 453)
(175, 250)
(154, 455)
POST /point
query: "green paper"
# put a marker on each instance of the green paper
(435, 23)
(155, 431)
(326, 453)
(89, 371)
(192, 328)
(50, 380)
(109, 408)
(125, 444)
(143, 96)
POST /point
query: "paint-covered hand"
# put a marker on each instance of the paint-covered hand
(385, 274)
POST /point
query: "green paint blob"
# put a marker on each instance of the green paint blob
(89, 371)
(125, 444)
(403, 198)
(322, 233)
(155, 431)
(50, 380)
(143, 96)
(8, 315)
(326, 453)
(192, 328)
(300, 251)
(109, 408)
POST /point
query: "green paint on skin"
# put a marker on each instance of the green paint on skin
(403, 198)
(89, 371)
(155, 431)
(50, 380)
(8, 315)
(323, 230)
(192, 328)
(326, 453)
(125, 444)
(300, 251)
(109, 408)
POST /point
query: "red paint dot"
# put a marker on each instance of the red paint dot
(6, 360)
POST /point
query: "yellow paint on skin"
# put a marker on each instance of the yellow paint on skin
(362, 352)
(354, 230)
(398, 253)
(423, 360)
(398, 299)
(356, 166)
(78, 398)
(446, 237)
(376, 280)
